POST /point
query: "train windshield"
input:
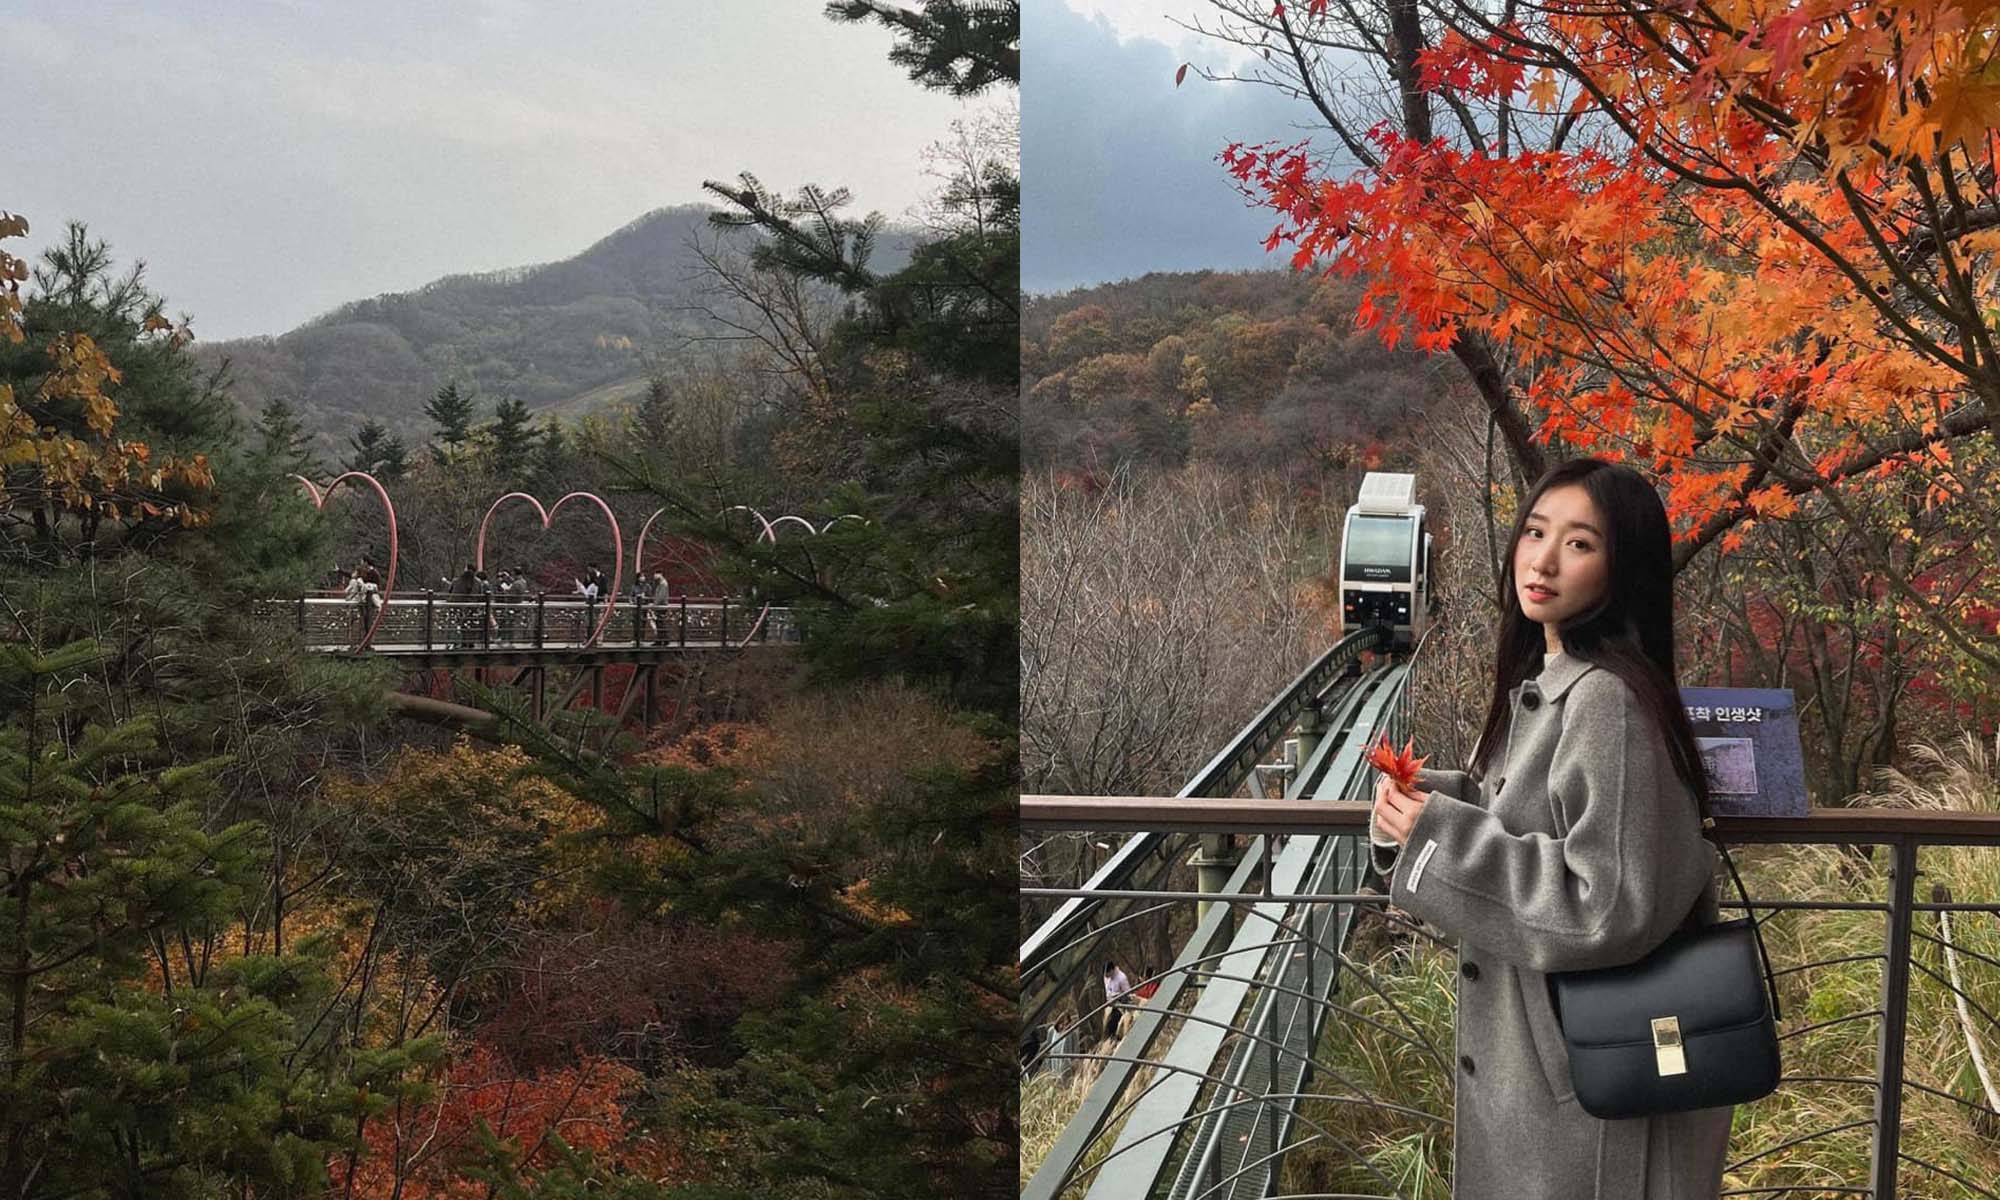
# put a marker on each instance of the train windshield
(1379, 548)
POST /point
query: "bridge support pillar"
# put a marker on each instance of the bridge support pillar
(1214, 862)
(1310, 729)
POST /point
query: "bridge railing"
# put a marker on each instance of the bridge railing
(426, 622)
(1378, 1067)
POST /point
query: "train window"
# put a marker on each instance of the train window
(1379, 542)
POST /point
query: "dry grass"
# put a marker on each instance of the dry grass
(1048, 1102)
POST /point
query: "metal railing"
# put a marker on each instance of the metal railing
(1284, 990)
(1058, 952)
(433, 622)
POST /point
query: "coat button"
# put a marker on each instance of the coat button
(1530, 700)
(1469, 970)
(1465, 1060)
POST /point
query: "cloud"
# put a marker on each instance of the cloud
(1118, 167)
(1168, 22)
(273, 160)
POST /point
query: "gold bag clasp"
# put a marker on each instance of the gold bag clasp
(1667, 1048)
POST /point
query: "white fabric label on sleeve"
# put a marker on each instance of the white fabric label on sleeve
(1417, 869)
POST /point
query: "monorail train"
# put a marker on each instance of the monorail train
(1385, 560)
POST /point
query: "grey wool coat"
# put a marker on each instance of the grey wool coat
(1586, 851)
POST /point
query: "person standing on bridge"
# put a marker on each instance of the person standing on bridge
(464, 593)
(656, 613)
(1586, 850)
(506, 594)
(489, 622)
(373, 596)
(360, 596)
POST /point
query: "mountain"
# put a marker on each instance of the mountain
(566, 335)
(1261, 371)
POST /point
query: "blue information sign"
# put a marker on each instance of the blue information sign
(1749, 739)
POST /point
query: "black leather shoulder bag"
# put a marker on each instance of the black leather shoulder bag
(1685, 1027)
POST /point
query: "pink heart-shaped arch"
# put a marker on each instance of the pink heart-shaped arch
(767, 533)
(548, 516)
(319, 498)
(799, 521)
(770, 528)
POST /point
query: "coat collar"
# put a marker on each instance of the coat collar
(1559, 673)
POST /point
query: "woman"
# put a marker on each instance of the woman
(1586, 850)
(360, 595)
(657, 604)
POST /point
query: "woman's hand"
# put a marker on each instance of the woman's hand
(1396, 811)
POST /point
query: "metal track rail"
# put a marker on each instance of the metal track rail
(1264, 1050)
(1065, 935)
(1235, 1152)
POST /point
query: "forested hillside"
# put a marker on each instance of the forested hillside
(571, 335)
(1260, 370)
(1190, 439)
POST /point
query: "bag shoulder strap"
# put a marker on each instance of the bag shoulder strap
(1709, 832)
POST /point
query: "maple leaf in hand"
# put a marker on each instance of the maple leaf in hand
(1398, 766)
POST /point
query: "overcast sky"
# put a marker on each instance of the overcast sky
(1118, 168)
(272, 159)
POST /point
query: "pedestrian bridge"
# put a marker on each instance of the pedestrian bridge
(620, 654)
(632, 661)
(442, 629)
(453, 628)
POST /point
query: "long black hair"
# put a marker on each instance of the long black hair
(1629, 632)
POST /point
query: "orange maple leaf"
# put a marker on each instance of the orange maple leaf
(1398, 766)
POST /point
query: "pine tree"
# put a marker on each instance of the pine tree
(151, 1050)
(933, 593)
(282, 438)
(553, 463)
(376, 452)
(957, 303)
(452, 412)
(653, 420)
(927, 590)
(162, 398)
(806, 235)
(113, 430)
(513, 435)
(114, 1088)
(957, 46)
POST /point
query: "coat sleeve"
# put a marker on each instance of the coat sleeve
(1457, 784)
(1608, 891)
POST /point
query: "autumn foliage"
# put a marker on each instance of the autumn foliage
(1749, 248)
(1252, 371)
(426, 1151)
(59, 440)
(1751, 245)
